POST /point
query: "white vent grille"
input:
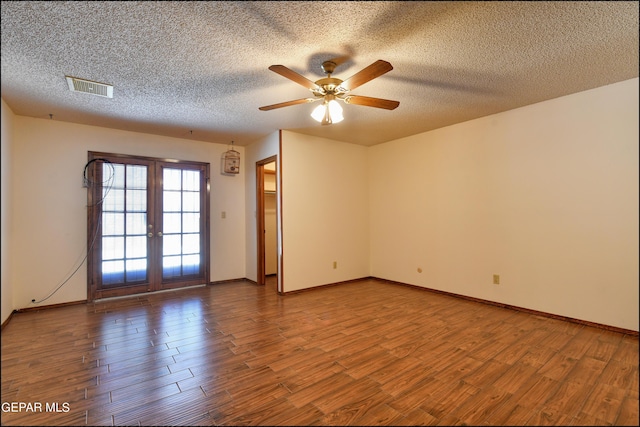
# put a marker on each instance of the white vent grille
(92, 88)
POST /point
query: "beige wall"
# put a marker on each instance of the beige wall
(49, 203)
(6, 286)
(546, 196)
(325, 209)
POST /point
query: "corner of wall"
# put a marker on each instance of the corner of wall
(6, 141)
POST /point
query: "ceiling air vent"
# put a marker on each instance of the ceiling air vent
(92, 88)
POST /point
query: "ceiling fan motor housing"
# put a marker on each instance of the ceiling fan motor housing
(329, 85)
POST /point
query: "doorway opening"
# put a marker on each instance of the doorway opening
(267, 224)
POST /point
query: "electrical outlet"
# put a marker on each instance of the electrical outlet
(496, 279)
(335, 264)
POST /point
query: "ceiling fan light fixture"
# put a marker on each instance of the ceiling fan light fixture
(328, 112)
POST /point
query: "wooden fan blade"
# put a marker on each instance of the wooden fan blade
(288, 103)
(292, 75)
(369, 73)
(371, 102)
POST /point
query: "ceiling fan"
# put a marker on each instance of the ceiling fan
(330, 89)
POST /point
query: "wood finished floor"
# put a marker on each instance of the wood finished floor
(360, 353)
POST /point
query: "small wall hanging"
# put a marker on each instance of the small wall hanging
(231, 161)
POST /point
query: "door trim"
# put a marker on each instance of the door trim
(260, 222)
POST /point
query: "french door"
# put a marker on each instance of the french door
(148, 224)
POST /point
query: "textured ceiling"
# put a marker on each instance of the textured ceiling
(199, 70)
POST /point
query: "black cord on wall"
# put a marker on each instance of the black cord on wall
(89, 183)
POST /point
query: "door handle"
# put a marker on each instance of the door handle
(159, 233)
(149, 235)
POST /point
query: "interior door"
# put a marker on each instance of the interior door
(148, 226)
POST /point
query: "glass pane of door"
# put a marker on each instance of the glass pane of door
(124, 222)
(181, 199)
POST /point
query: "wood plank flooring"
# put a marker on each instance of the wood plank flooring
(360, 353)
